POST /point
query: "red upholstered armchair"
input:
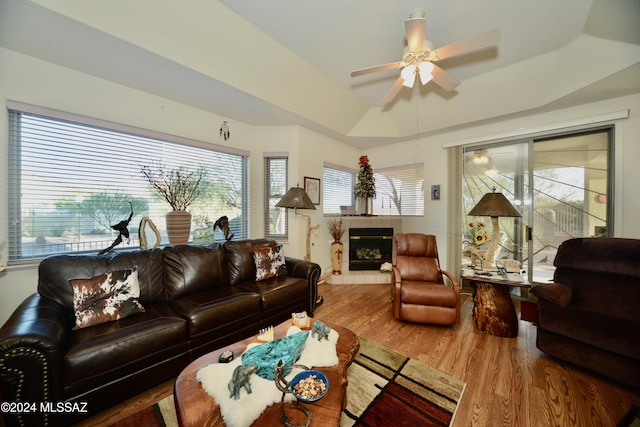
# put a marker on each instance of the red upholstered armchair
(419, 291)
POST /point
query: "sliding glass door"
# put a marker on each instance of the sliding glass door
(559, 184)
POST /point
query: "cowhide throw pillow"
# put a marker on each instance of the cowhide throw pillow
(269, 262)
(110, 296)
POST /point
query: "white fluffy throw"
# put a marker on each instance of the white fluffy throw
(242, 412)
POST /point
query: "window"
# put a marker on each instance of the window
(275, 219)
(561, 185)
(71, 178)
(399, 190)
(337, 188)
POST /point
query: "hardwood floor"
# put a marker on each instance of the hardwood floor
(510, 382)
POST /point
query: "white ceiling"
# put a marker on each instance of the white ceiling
(283, 62)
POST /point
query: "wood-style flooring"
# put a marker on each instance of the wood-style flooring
(509, 381)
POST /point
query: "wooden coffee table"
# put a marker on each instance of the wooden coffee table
(196, 408)
(493, 309)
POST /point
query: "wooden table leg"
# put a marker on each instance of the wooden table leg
(493, 310)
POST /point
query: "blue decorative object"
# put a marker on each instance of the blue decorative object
(267, 355)
(304, 375)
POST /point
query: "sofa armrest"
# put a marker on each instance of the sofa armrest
(309, 271)
(556, 293)
(32, 343)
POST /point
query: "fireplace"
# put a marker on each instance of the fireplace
(369, 248)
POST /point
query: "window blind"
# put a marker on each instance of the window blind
(337, 188)
(399, 190)
(276, 172)
(70, 181)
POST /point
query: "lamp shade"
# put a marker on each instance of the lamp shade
(296, 198)
(494, 205)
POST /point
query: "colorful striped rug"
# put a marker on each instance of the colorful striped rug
(387, 388)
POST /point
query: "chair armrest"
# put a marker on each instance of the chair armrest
(32, 343)
(395, 290)
(452, 278)
(556, 293)
(309, 271)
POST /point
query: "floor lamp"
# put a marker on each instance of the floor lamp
(296, 198)
(494, 205)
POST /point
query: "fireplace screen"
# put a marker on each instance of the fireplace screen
(369, 248)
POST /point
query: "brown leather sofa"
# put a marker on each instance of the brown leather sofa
(195, 299)
(590, 315)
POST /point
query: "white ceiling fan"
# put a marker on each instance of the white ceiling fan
(419, 56)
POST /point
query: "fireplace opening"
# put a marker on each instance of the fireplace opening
(369, 248)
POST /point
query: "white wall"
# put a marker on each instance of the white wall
(32, 81)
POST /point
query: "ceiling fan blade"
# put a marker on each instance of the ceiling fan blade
(393, 91)
(469, 45)
(391, 66)
(444, 79)
(416, 33)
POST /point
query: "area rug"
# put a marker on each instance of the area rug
(385, 388)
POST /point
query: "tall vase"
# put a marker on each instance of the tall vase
(178, 227)
(336, 257)
(365, 206)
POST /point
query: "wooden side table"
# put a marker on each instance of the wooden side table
(493, 309)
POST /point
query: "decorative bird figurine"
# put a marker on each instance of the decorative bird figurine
(223, 224)
(122, 230)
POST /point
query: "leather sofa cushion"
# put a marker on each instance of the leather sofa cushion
(112, 346)
(278, 292)
(424, 293)
(602, 293)
(215, 308)
(190, 269)
(55, 272)
(242, 266)
(604, 331)
(609, 255)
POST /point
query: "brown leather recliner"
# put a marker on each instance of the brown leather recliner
(419, 291)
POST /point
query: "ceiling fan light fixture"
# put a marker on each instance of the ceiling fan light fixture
(425, 69)
(408, 73)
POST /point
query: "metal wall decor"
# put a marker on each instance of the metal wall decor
(224, 131)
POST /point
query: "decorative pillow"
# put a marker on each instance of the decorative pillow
(269, 262)
(110, 296)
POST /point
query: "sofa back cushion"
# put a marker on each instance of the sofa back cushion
(603, 274)
(242, 266)
(190, 269)
(55, 273)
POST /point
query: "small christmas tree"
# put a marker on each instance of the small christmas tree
(365, 187)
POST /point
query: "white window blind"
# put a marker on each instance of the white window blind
(337, 188)
(399, 190)
(69, 181)
(276, 172)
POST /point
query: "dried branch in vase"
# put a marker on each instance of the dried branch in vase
(179, 187)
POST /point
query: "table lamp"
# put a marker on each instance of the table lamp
(494, 205)
(296, 198)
